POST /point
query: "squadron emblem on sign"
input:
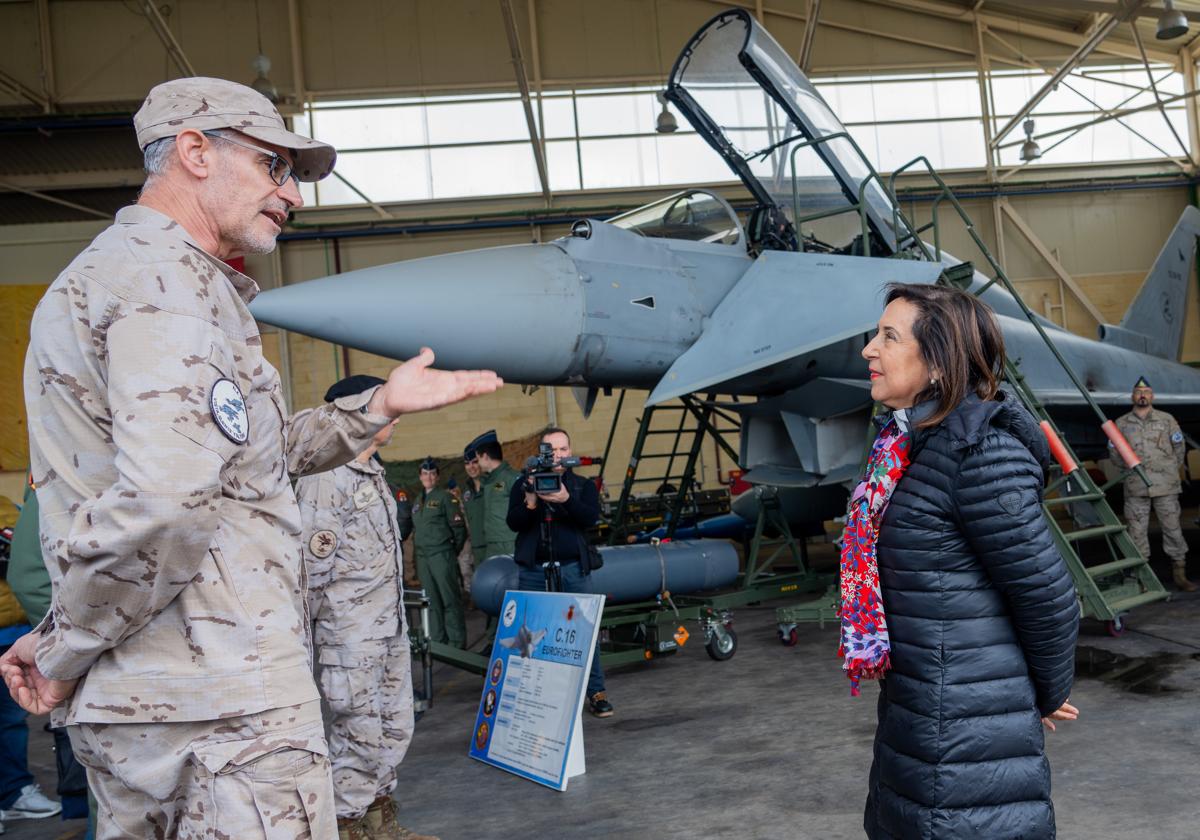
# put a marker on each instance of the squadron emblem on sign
(229, 410)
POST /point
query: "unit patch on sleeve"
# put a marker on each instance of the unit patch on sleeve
(365, 496)
(229, 410)
(322, 544)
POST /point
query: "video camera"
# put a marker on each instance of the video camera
(539, 469)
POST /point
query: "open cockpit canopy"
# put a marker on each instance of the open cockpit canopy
(751, 103)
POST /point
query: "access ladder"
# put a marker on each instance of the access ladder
(683, 426)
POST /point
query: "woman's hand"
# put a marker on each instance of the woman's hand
(1065, 712)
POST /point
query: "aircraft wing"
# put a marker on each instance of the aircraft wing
(535, 636)
(510, 642)
(1118, 399)
(786, 305)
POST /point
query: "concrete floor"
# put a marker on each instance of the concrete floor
(770, 745)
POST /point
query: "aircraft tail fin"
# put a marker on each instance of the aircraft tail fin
(1154, 322)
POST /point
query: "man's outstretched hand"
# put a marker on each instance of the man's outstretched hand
(30, 688)
(416, 386)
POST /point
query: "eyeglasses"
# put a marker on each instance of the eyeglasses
(279, 169)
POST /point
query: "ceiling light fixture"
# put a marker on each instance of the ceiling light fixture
(1172, 23)
(262, 65)
(1030, 150)
(666, 123)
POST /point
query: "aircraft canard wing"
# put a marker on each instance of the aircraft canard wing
(777, 475)
(586, 398)
(787, 304)
(825, 396)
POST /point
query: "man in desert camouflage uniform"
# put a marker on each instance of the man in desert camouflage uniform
(1157, 439)
(177, 644)
(351, 543)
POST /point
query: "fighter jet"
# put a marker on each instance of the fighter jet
(679, 297)
(525, 641)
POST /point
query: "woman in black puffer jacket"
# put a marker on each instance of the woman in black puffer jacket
(980, 614)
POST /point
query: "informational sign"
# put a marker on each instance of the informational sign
(528, 719)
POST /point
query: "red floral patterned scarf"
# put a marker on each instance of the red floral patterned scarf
(864, 647)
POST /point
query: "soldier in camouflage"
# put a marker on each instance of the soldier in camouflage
(1157, 439)
(438, 536)
(177, 643)
(351, 542)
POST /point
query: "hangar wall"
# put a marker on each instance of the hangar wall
(327, 50)
(1106, 241)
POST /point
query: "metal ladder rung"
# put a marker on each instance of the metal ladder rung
(1066, 500)
(1114, 566)
(1089, 533)
(1137, 600)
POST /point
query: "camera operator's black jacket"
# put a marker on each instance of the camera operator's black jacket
(568, 530)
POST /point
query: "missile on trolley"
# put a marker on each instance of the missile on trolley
(630, 572)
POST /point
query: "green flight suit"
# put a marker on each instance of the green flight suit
(438, 535)
(497, 486)
(472, 504)
(27, 573)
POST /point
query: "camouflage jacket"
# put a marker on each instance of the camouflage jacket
(1158, 441)
(351, 545)
(438, 522)
(161, 453)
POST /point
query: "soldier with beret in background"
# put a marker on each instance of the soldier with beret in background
(1157, 439)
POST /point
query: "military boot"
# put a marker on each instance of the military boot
(1181, 581)
(383, 823)
(350, 828)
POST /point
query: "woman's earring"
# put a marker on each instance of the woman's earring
(933, 382)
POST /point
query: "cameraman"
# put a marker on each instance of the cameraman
(552, 527)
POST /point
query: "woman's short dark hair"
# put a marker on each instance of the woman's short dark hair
(960, 343)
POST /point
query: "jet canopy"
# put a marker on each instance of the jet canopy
(751, 103)
(692, 215)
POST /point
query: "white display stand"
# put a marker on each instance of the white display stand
(528, 720)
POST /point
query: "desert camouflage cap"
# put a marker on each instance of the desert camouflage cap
(205, 104)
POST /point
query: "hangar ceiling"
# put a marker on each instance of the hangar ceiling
(73, 71)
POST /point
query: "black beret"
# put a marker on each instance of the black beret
(351, 385)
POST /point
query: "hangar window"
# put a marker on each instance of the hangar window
(448, 147)
(1070, 124)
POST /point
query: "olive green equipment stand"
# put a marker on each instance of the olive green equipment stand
(416, 612)
(816, 611)
(776, 567)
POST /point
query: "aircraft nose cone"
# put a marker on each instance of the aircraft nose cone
(517, 310)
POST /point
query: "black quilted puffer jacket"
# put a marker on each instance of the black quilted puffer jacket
(983, 620)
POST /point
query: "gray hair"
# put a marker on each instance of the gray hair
(157, 155)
